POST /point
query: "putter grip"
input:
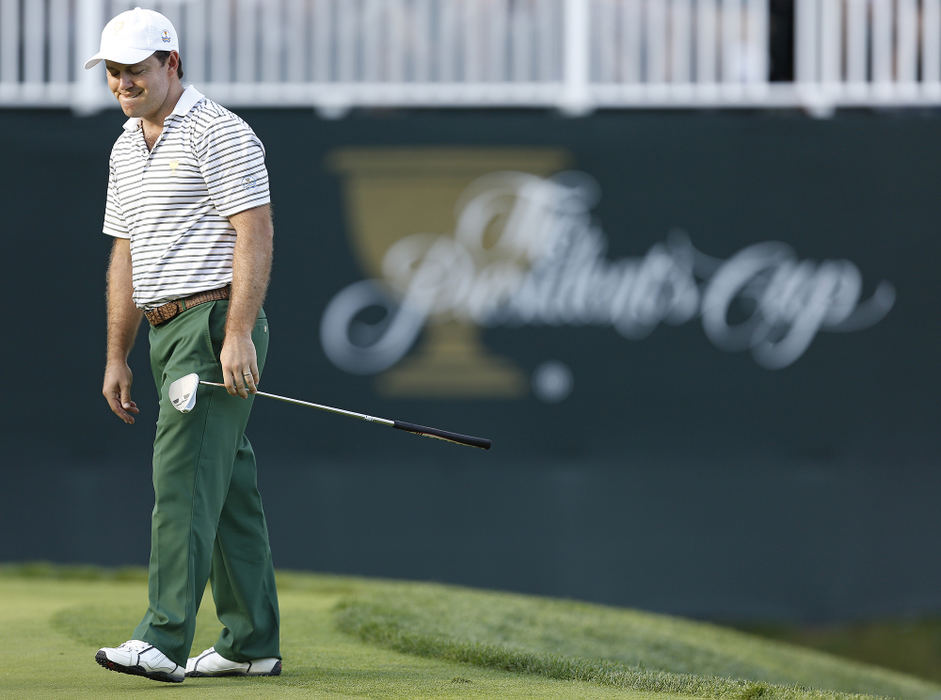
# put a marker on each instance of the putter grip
(469, 440)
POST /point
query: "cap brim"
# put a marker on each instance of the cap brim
(127, 57)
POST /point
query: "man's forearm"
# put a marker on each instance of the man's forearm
(251, 268)
(123, 316)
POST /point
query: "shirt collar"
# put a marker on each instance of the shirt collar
(189, 99)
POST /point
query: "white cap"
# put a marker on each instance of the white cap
(134, 35)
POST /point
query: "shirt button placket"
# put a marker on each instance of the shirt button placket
(145, 157)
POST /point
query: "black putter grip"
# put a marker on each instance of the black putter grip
(469, 440)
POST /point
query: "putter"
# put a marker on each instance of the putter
(182, 394)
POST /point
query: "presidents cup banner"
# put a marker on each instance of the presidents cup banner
(453, 241)
(704, 344)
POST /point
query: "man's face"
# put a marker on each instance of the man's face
(142, 88)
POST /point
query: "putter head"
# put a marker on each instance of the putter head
(182, 392)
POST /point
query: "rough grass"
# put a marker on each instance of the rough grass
(345, 637)
(610, 646)
(908, 645)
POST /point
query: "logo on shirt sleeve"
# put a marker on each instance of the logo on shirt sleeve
(249, 182)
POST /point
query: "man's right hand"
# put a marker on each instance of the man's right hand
(117, 391)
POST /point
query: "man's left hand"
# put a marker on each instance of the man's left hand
(239, 365)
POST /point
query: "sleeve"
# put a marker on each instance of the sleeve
(114, 225)
(232, 161)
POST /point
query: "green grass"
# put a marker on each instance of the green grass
(908, 645)
(345, 637)
(621, 648)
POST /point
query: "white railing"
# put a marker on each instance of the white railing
(869, 52)
(575, 55)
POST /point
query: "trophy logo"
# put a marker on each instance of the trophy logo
(456, 240)
(407, 209)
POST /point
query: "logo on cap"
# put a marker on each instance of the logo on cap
(165, 36)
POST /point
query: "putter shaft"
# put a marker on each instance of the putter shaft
(320, 406)
(423, 430)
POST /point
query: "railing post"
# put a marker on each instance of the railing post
(575, 99)
(808, 56)
(9, 50)
(89, 22)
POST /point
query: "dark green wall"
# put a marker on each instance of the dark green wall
(675, 476)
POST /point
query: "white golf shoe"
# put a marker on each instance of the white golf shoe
(140, 659)
(211, 663)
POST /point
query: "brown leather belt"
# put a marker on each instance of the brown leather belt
(171, 309)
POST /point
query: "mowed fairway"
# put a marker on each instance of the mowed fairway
(344, 637)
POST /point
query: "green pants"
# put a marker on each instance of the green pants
(208, 523)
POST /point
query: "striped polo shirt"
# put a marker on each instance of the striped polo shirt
(172, 202)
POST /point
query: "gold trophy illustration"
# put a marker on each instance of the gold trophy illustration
(394, 193)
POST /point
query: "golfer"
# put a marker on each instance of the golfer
(188, 208)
